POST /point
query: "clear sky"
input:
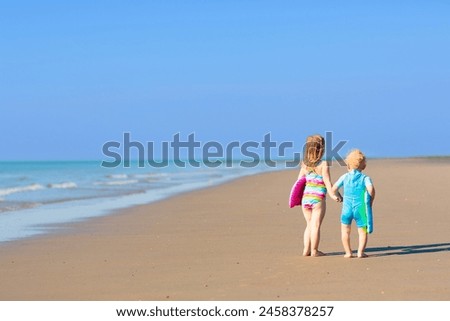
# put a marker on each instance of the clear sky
(75, 74)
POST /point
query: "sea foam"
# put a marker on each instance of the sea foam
(65, 185)
(13, 190)
(112, 183)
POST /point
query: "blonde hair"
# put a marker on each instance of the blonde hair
(356, 160)
(313, 150)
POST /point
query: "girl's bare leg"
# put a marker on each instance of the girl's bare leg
(362, 242)
(318, 213)
(345, 235)
(307, 235)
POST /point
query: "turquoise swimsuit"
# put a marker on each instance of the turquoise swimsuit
(356, 204)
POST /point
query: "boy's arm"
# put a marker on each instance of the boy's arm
(327, 180)
(335, 189)
(336, 192)
(371, 191)
(337, 186)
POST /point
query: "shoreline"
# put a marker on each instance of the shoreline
(239, 241)
(31, 221)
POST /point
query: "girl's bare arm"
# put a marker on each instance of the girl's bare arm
(302, 171)
(327, 180)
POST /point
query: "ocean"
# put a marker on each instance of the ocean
(37, 196)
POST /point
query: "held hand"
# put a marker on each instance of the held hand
(337, 198)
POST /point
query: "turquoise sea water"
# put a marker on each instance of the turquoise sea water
(34, 196)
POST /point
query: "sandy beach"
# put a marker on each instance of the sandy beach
(240, 241)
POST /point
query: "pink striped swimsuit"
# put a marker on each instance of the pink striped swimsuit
(315, 190)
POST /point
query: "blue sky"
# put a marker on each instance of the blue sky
(74, 75)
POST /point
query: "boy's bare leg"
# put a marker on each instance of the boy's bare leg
(307, 234)
(318, 213)
(362, 242)
(345, 235)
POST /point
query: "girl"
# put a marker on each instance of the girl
(317, 183)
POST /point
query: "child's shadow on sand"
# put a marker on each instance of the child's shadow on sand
(403, 250)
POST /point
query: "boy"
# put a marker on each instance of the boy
(359, 194)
